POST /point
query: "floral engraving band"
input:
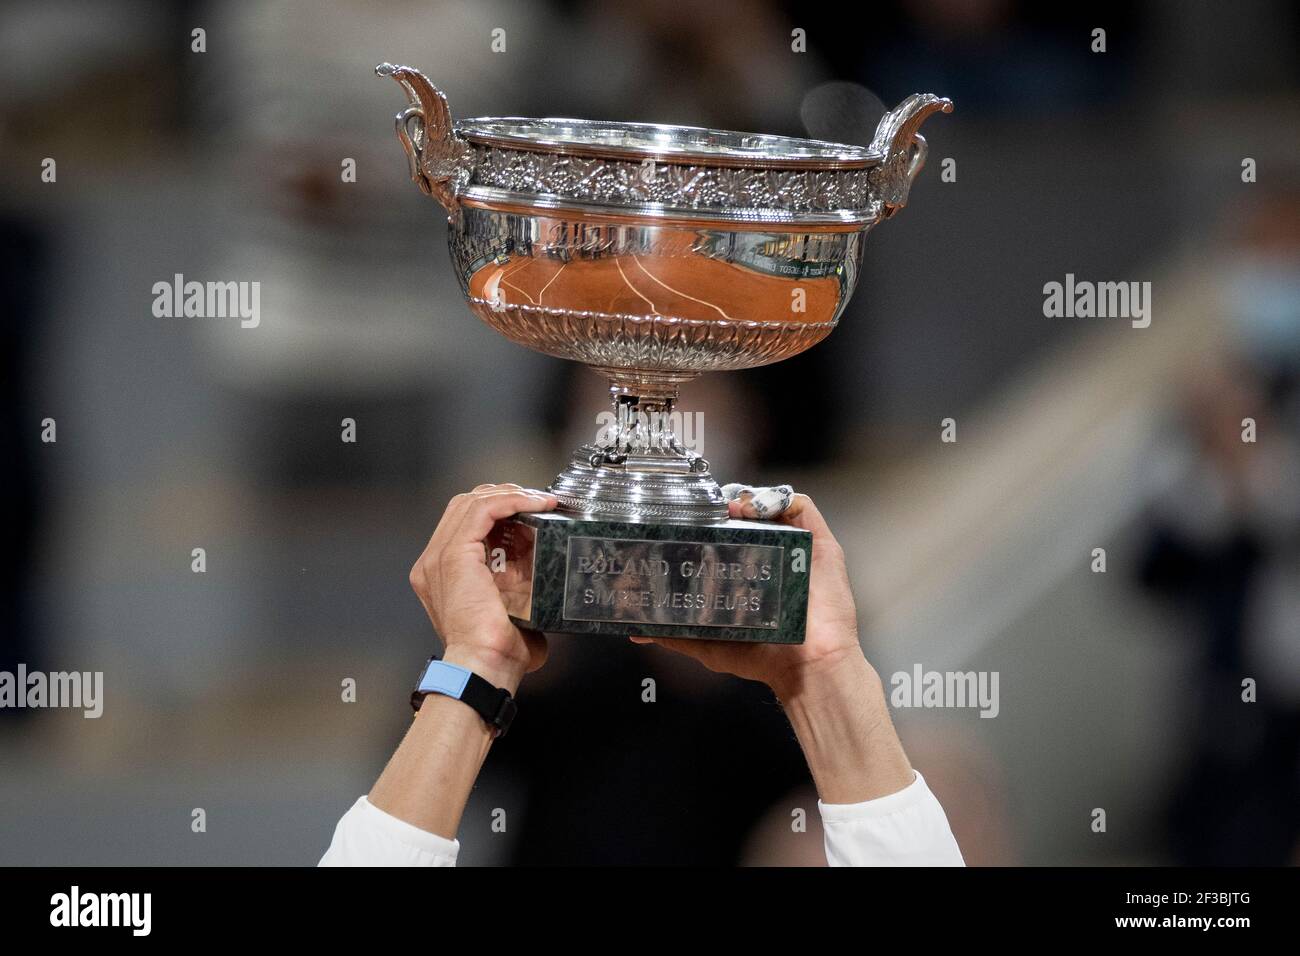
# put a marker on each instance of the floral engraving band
(620, 182)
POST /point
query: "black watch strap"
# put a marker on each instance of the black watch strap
(493, 704)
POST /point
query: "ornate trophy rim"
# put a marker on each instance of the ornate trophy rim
(658, 169)
(666, 143)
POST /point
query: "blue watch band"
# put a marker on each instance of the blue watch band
(442, 678)
(493, 704)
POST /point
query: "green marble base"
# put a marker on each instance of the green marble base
(732, 581)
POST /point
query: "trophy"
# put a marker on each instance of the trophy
(651, 254)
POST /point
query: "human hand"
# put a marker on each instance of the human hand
(833, 698)
(454, 583)
(831, 636)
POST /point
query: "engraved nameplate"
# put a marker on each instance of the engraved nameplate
(699, 584)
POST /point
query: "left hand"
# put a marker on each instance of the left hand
(453, 582)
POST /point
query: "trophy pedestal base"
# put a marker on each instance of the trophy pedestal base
(730, 580)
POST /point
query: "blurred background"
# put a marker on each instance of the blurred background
(1118, 690)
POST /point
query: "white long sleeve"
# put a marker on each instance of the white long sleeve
(367, 836)
(907, 828)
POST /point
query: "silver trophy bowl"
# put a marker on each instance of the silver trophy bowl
(651, 254)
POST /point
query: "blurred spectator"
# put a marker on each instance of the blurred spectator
(1225, 546)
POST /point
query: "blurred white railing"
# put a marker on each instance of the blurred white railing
(955, 545)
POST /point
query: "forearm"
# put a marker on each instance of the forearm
(841, 719)
(428, 780)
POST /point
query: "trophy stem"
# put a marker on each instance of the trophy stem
(643, 425)
(644, 385)
(638, 470)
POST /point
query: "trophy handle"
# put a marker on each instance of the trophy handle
(904, 149)
(439, 159)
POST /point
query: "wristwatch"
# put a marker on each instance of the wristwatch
(493, 704)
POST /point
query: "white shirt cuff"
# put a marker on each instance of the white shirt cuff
(367, 836)
(907, 828)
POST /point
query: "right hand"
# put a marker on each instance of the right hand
(454, 583)
(831, 634)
